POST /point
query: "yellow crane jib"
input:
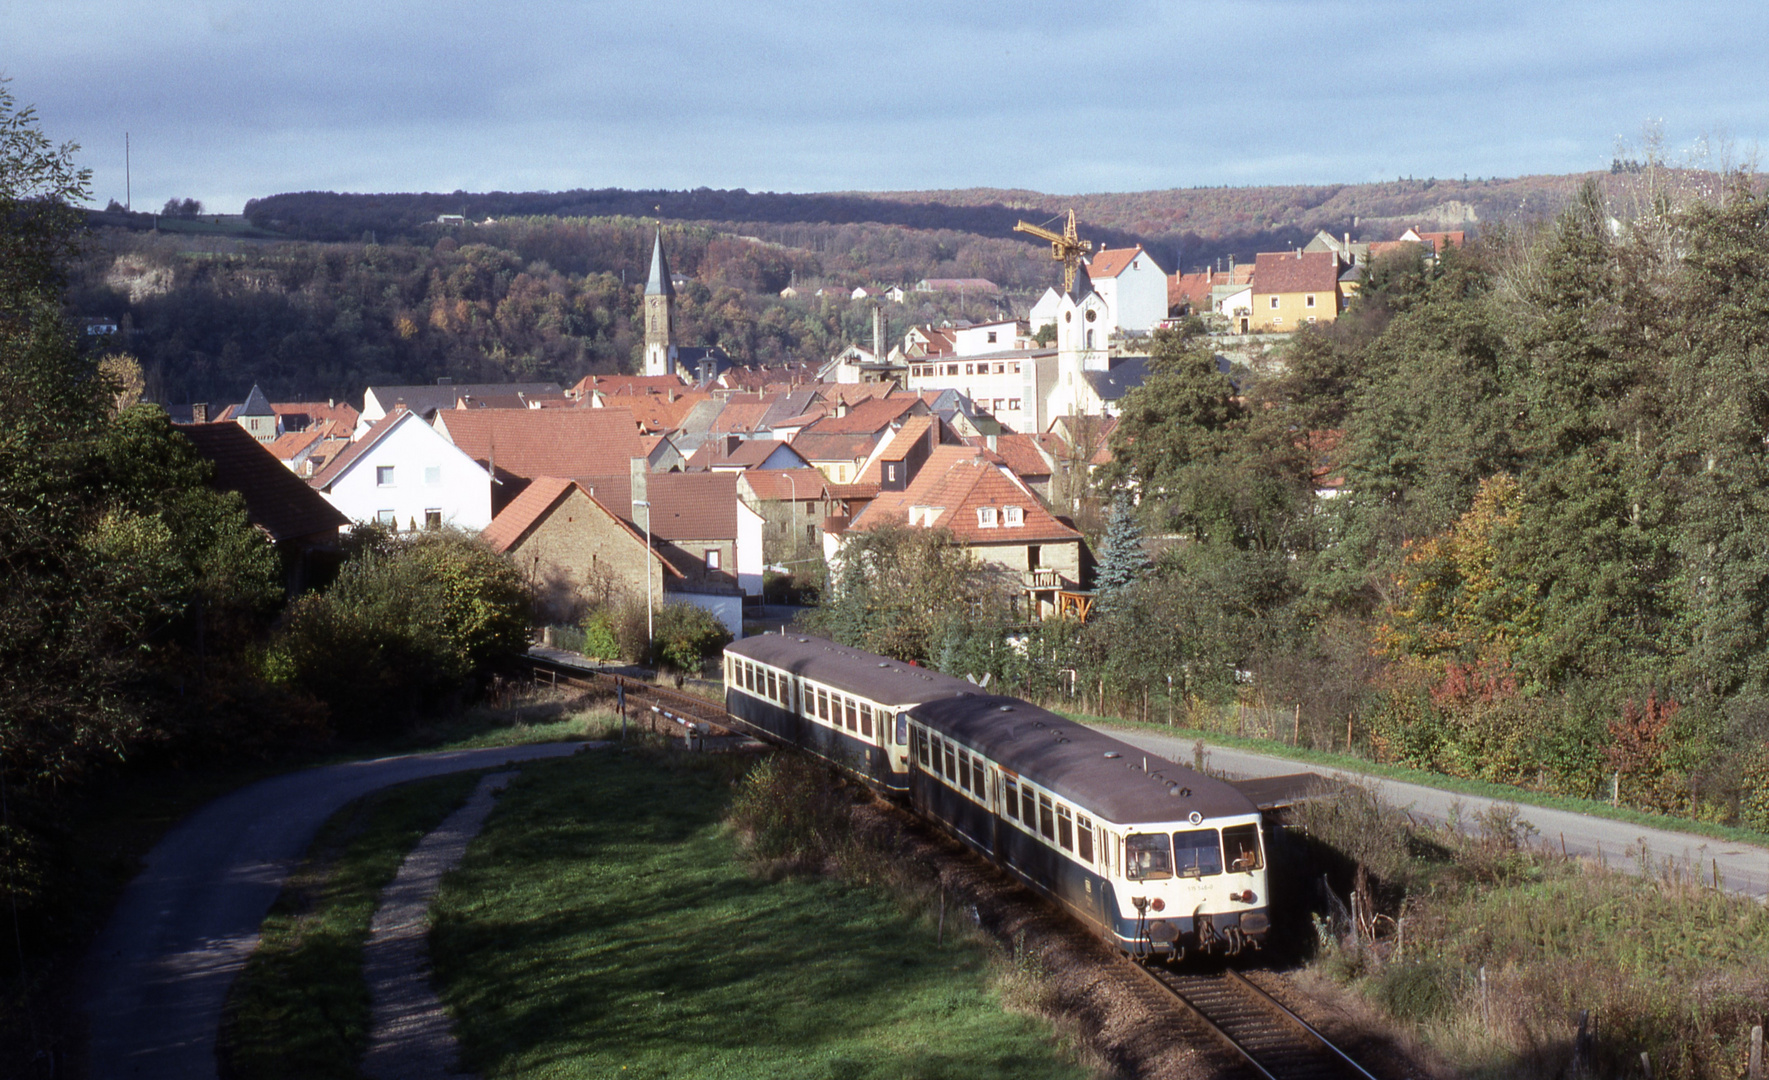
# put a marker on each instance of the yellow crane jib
(1066, 247)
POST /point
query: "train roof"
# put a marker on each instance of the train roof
(874, 677)
(1071, 760)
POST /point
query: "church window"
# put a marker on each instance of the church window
(1092, 315)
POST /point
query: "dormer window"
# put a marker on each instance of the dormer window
(1015, 515)
(986, 517)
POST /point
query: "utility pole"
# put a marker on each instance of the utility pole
(128, 199)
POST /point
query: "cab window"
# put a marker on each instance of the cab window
(1197, 853)
(1148, 857)
(1241, 844)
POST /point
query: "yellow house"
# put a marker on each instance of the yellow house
(1294, 289)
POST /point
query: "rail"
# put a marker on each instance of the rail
(679, 713)
(1275, 1042)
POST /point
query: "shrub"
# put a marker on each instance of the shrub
(686, 635)
(1419, 991)
(598, 636)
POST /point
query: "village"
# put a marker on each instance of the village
(698, 479)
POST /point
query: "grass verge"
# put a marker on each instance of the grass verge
(1661, 963)
(1349, 763)
(604, 924)
(301, 1008)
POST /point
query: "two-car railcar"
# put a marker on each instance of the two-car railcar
(1154, 855)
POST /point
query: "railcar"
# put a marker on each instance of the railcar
(1155, 856)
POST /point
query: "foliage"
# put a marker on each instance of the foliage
(900, 590)
(687, 635)
(1122, 560)
(406, 626)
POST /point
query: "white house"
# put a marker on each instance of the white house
(989, 337)
(1045, 311)
(1133, 287)
(404, 473)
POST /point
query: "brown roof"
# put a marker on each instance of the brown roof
(775, 485)
(316, 414)
(740, 416)
(277, 500)
(1293, 272)
(527, 510)
(693, 506)
(817, 446)
(658, 412)
(618, 384)
(1110, 262)
(528, 443)
(959, 480)
(913, 431)
(875, 415)
(1020, 453)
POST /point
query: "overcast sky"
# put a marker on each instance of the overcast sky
(225, 100)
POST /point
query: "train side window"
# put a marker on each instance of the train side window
(921, 748)
(976, 776)
(1046, 819)
(753, 675)
(1148, 857)
(950, 772)
(1029, 807)
(822, 708)
(1065, 829)
(773, 691)
(1197, 853)
(902, 729)
(866, 721)
(1084, 838)
(1010, 799)
(848, 713)
(964, 779)
(1241, 844)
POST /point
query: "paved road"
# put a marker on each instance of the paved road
(1744, 868)
(160, 970)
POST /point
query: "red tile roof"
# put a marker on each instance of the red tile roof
(914, 430)
(875, 415)
(957, 481)
(1110, 262)
(527, 510)
(323, 415)
(277, 500)
(1288, 272)
(619, 384)
(373, 435)
(528, 443)
(813, 446)
(290, 443)
(1019, 453)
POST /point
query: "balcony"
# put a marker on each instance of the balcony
(1043, 579)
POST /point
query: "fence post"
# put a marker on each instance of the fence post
(1486, 1004)
(1646, 1064)
(1296, 729)
(1756, 1070)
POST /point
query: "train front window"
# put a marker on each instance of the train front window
(1241, 842)
(1148, 857)
(1197, 853)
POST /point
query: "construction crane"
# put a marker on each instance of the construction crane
(1065, 247)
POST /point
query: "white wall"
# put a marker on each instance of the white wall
(727, 609)
(749, 555)
(1137, 296)
(429, 473)
(974, 340)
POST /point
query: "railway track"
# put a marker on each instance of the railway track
(1272, 1041)
(672, 711)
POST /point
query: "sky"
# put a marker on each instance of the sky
(224, 101)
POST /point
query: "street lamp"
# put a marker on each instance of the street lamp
(650, 630)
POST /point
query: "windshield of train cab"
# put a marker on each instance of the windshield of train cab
(1194, 853)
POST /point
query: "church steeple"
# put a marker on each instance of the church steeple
(660, 314)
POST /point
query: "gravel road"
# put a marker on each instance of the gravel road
(1744, 868)
(158, 974)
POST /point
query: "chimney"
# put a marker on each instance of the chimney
(1348, 243)
(878, 332)
(199, 413)
(641, 474)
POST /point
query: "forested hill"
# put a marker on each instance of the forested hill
(1183, 227)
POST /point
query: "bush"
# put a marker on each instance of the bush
(686, 635)
(599, 641)
(1418, 992)
(405, 627)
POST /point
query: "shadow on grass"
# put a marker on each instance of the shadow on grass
(602, 922)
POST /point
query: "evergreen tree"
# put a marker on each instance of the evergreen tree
(1122, 561)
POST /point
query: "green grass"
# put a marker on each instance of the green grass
(301, 1008)
(603, 925)
(1462, 785)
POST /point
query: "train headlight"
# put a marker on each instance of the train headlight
(1159, 904)
(1243, 897)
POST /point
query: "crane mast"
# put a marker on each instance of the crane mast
(1066, 247)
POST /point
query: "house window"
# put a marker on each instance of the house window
(1015, 368)
(999, 368)
(433, 519)
(387, 518)
(712, 560)
(1274, 303)
(1308, 301)
(1014, 515)
(991, 337)
(432, 474)
(1013, 404)
(951, 369)
(890, 471)
(986, 517)
(383, 476)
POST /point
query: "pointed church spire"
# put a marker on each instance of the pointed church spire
(1083, 284)
(659, 284)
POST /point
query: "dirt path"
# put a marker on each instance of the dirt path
(411, 1033)
(158, 974)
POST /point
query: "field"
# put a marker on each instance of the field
(604, 925)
